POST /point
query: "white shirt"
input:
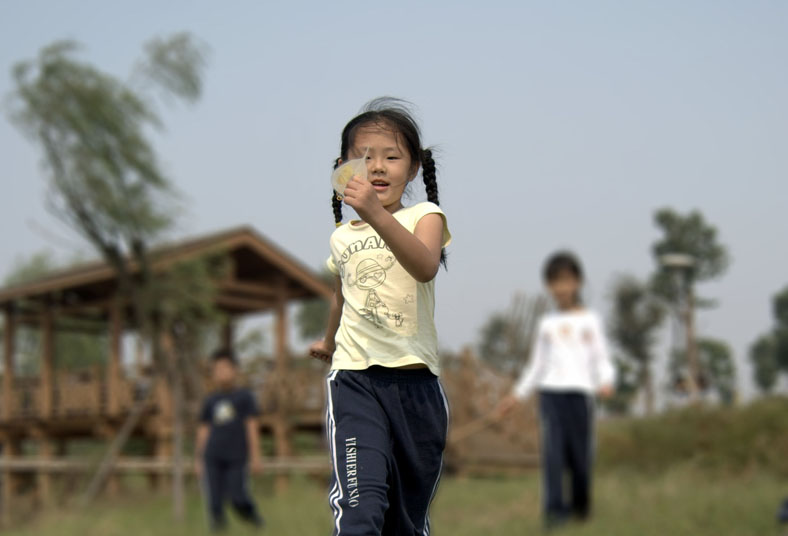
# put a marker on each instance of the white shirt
(569, 354)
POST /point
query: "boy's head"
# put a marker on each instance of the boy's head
(225, 367)
(563, 275)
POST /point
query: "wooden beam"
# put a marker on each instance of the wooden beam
(115, 357)
(47, 363)
(249, 288)
(9, 349)
(248, 304)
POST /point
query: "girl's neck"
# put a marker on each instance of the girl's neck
(574, 308)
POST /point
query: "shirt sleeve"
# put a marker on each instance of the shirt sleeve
(205, 412)
(332, 265)
(252, 409)
(535, 369)
(431, 208)
(605, 370)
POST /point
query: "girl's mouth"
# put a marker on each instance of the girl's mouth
(379, 185)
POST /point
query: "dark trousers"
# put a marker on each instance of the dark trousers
(223, 481)
(567, 443)
(386, 431)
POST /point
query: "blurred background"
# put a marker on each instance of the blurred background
(166, 189)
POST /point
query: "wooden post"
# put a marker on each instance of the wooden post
(9, 348)
(47, 362)
(228, 333)
(115, 357)
(44, 477)
(11, 449)
(280, 425)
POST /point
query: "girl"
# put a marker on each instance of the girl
(568, 364)
(387, 415)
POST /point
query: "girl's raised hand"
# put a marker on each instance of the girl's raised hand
(360, 194)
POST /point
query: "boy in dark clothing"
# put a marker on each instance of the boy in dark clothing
(227, 444)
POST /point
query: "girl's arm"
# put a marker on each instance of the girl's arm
(324, 349)
(533, 372)
(605, 370)
(418, 252)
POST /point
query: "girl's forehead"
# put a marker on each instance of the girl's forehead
(376, 135)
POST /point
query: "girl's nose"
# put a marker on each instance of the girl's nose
(376, 165)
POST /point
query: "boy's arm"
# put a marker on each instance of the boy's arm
(203, 430)
(253, 440)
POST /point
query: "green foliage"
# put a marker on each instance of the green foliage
(716, 361)
(626, 388)
(688, 234)
(73, 349)
(636, 317)
(506, 337)
(717, 440)
(28, 269)
(766, 368)
(769, 353)
(312, 315)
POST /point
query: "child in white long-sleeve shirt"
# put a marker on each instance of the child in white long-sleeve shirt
(569, 364)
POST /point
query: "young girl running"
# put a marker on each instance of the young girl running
(387, 415)
(569, 363)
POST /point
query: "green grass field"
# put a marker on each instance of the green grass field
(696, 472)
(679, 502)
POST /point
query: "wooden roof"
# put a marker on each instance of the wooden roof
(262, 274)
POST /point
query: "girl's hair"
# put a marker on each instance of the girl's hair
(392, 114)
(560, 262)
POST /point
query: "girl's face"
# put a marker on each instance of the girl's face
(564, 288)
(389, 165)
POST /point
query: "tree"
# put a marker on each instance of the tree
(766, 367)
(769, 353)
(312, 315)
(506, 337)
(718, 368)
(636, 316)
(689, 235)
(105, 181)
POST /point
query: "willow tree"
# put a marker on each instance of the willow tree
(105, 180)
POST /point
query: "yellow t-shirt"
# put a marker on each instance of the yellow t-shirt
(387, 318)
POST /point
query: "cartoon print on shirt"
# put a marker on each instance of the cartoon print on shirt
(224, 412)
(371, 274)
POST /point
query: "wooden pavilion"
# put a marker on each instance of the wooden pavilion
(57, 406)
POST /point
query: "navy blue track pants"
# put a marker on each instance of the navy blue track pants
(386, 431)
(567, 444)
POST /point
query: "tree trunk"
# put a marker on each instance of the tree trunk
(178, 504)
(648, 389)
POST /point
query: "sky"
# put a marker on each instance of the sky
(557, 124)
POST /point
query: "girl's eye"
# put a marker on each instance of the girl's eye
(393, 157)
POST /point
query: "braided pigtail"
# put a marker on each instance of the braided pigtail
(431, 185)
(336, 200)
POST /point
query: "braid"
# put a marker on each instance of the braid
(428, 174)
(431, 185)
(336, 201)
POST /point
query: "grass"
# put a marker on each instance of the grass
(693, 472)
(678, 502)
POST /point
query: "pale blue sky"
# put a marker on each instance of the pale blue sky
(560, 124)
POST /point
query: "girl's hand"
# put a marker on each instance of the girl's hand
(361, 196)
(322, 350)
(505, 406)
(606, 391)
